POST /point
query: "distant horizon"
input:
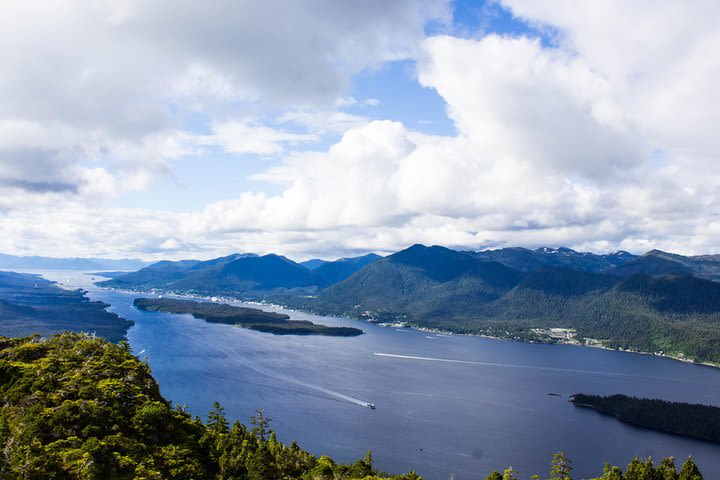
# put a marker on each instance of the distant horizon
(332, 258)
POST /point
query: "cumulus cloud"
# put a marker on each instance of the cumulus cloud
(602, 139)
(548, 151)
(112, 83)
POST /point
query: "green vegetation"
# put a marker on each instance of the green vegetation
(246, 274)
(703, 266)
(252, 318)
(75, 407)
(437, 288)
(561, 469)
(659, 302)
(690, 420)
(30, 304)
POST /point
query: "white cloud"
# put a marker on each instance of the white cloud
(322, 121)
(114, 82)
(249, 137)
(605, 140)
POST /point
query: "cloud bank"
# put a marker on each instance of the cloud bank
(601, 138)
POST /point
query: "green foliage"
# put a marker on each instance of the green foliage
(561, 467)
(252, 318)
(690, 471)
(691, 420)
(510, 474)
(76, 407)
(30, 304)
(655, 303)
(671, 314)
(636, 470)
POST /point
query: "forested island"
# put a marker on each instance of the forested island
(252, 318)
(30, 304)
(691, 420)
(78, 407)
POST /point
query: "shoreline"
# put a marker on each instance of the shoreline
(418, 328)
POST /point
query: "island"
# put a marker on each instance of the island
(697, 421)
(252, 318)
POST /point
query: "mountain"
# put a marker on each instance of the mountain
(703, 266)
(157, 275)
(330, 273)
(240, 273)
(313, 263)
(670, 311)
(650, 264)
(655, 302)
(657, 262)
(527, 260)
(235, 273)
(50, 263)
(247, 274)
(422, 282)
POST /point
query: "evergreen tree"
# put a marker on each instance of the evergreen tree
(667, 470)
(612, 473)
(261, 422)
(510, 474)
(561, 467)
(690, 471)
(217, 422)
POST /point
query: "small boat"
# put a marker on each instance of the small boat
(371, 405)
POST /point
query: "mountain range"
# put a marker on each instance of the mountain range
(50, 263)
(658, 301)
(245, 273)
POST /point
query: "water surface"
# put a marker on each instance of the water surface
(445, 404)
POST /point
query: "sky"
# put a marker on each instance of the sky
(325, 128)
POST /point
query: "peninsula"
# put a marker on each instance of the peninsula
(252, 318)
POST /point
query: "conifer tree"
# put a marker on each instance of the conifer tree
(690, 471)
(561, 467)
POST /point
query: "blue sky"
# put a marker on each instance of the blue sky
(176, 129)
(393, 84)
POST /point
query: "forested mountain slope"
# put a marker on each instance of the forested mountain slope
(75, 407)
(30, 304)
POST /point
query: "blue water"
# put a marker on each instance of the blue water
(486, 409)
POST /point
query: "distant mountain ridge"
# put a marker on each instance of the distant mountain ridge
(240, 273)
(701, 266)
(646, 303)
(653, 302)
(50, 263)
(530, 260)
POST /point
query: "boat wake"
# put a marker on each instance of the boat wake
(504, 365)
(317, 388)
(272, 374)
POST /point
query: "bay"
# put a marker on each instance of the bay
(445, 404)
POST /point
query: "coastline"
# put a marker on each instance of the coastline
(595, 343)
